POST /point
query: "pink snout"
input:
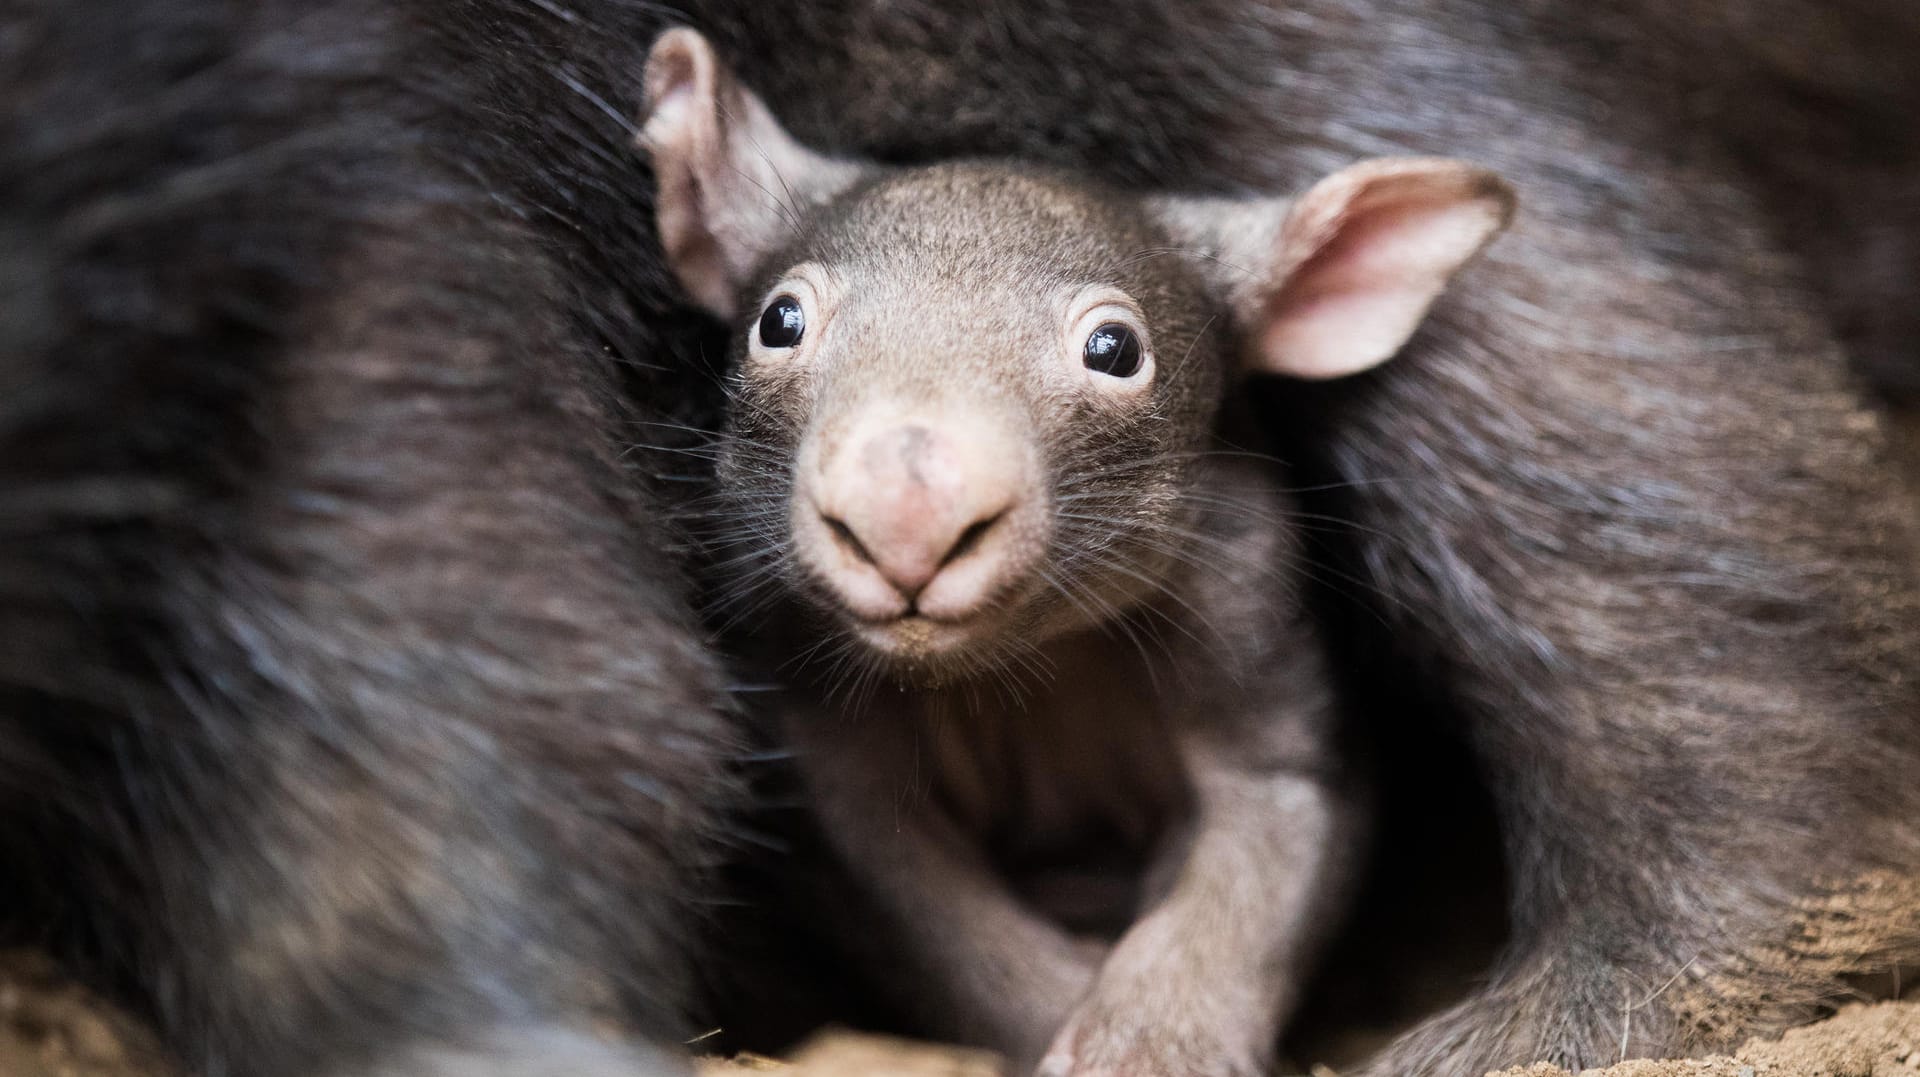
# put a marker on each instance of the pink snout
(918, 520)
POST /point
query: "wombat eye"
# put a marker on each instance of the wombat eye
(783, 324)
(1113, 349)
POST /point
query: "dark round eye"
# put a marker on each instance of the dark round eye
(1113, 349)
(783, 324)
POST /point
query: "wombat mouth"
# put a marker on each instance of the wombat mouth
(914, 638)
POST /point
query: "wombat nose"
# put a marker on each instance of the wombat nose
(910, 569)
(909, 501)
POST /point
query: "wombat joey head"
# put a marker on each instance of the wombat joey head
(969, 397)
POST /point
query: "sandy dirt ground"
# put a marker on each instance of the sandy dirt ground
(50, 1028)
(1860, 1041)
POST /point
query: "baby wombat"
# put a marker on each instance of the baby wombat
(983, 436)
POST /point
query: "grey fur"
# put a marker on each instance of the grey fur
(1622, 519)
(350, 698)
(1142, 691)
(180, 180)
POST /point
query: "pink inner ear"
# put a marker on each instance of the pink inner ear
(1354, 298)
(681, 133)
(728, 176)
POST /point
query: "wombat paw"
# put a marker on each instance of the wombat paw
(529, 1051)
(1136, 1042)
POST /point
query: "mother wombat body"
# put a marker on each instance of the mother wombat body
(211, 608)
(351, 718)
(1623, 519)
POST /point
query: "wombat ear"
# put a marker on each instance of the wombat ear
(1335, 282)
(730, 179)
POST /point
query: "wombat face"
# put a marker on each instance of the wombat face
(971, 424)
(967, 396)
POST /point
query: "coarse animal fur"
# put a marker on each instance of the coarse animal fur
(1060, 712)
(1626, 524)
(352, 715)
(236, 544)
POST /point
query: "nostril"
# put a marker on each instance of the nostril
(970, 538)
(845, 536)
